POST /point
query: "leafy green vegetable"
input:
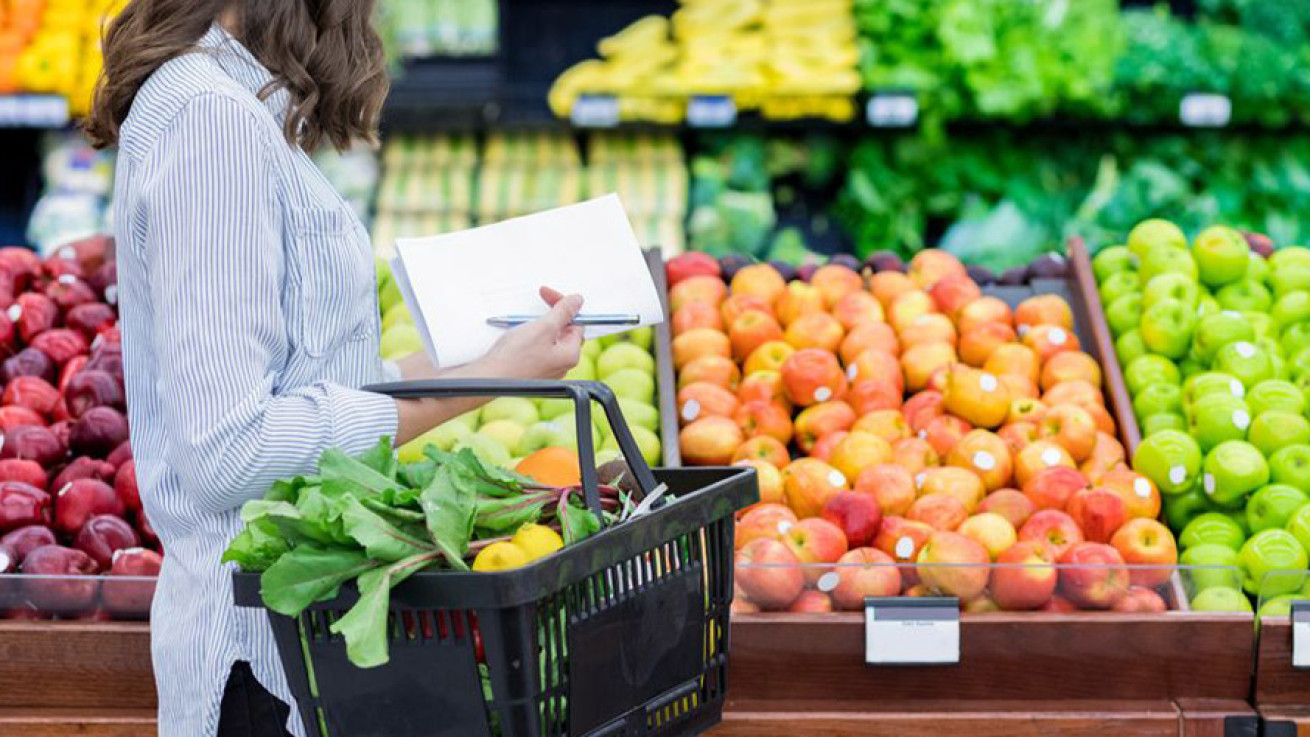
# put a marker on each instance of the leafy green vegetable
(307, 574)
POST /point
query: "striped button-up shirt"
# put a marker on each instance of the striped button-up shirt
(250, 319)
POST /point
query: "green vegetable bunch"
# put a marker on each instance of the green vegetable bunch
(376, 521)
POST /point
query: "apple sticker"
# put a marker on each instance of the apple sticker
(1142, 487)
(1244, 349)
(851, 372)
(67, 279)
(1059, 336)
(690, 410)
(783, 526)
(1238, 390)
(983, 461)
(1177, 475)
(904, 547)
(919, 478)
(836, 478)
(828, 582)
(1241, 420)
(15, 312)
(1050, 456)
(988, 383)
(1208, 482)
(822, 394)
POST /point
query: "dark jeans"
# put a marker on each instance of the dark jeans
(249, 710)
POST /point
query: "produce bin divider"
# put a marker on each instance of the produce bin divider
(1281, 693)
(666, 383)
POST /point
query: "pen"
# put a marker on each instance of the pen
(511, 321)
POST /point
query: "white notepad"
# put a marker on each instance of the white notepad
(453, 283)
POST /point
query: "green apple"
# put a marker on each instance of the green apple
(1208, 383)
(1245, 296)
(1155, 234)
(591, 350)
(1182, 508)
(639, 414)
(1209, 565)
(1118, 285)
(1289, 279)
(1289, 256)
(1295, 338)
(1129, 346)
(647, 442)
(506, 432)
(1291, 466)
(1272, 506)
(1279, 606)
(633, 384)
(445, 437)
(1113, 260)
(1218, 330)
(1299, 525)
(1264, 325)
(1171, 459)
(1171, 286)
(1248, 362)
(518, 410)
(584, 371)
(1277, 429)
(471, 419)
(1150, 369)
(381, 270)
(398, 315)
(1158, 398)
(1299, 365)
(1274, 563)
(1206, 306)
(487, 449)
(624, 356)
(1212, 530)
(1275, 394)
(1221, 255)
(1239, 516)
(607, 455)
(605, 341)
(552, 408)
(400, 340)
(1233, 469)
(1124, 313)
(548, 434)
(1190, 367)
(1163, 421)
(642, 337)
(1216, 418)
(389, 295)
(1257, 268)
(1290, 309)
(1221, 599)
(1167, 328)
(1167, 261)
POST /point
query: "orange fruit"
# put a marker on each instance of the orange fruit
(553, 467)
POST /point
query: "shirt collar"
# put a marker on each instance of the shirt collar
(238, 63)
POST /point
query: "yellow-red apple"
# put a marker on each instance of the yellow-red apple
(703, 288)
(1093, 575)
(857, 451)
(762, 448)
(767, 521)
(922, 361)
(759, 280)
(1098, 511)
(939, 511)
(1025, 577)
(696, 315)
(1010, 504)
(891, 485)
(815, 330)
(809, 483)
(858, 308)
(1038, 455)
(931, 265)
(983, 311)
(1053, 528)
(835, 281)
(1145, 542)
(857, 514)
(954, 565)
(1053, 487)
(758, 417)
(1070, 366)
(914, 454)
(1044, 309)
(769, 574)
(698, 343)
(887, 424)
(864, 572)
(1070, 427)
(704, 399)
(867, 336)
(750, 331)
(710, 441)
(978, 345)
(719, 370)
(811, 376)
(819, 420)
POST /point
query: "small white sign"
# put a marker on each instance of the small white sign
(912, 631)
(892, 110)
(1301, 635)
(34, 111)
(711, 111)
(595, 111)
(1205, 110)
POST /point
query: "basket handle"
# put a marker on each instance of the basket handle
(581, 392)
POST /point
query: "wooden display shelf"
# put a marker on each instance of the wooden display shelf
(1282, 693)
(82, 723)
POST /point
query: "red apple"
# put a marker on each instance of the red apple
(1025, 576)
(769, 574)
(1093, 575)
(857, 514)
(864, 572)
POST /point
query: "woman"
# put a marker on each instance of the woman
(249, 308)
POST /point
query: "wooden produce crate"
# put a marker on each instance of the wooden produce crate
(76, 678)
(1282, 693)
(1176, 673)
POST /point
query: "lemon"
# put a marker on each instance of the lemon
(500, 557)
(537, 541)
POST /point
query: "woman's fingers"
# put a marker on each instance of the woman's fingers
(551, 296)
(562, 314)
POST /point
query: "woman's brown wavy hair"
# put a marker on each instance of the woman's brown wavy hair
(325, 53)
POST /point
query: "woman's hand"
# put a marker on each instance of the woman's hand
(545, 349)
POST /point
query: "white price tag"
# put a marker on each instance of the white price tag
(906, 630)
(892, 110)
(596, 111)
(1205, 110)
(711, 111)
(1301, 635)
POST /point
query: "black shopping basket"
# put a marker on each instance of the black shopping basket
(624, 633)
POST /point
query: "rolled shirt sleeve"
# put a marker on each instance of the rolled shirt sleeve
(216, 260)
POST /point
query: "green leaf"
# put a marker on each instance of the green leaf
(364, 627)
(381, 539)
(576, 524)
(310, 574)
(288, 490)
(294, 524)
(324, 512)
(496, 517)
(450, 505)
(257, 547)
(381, 458)
(345, 475)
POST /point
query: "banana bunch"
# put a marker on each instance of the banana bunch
(786, 58)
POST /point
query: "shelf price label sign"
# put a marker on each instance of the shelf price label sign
(892, 110)
(1301, 635)
(595, 111)
(902, 630)
(711, 111)
(1205, 110)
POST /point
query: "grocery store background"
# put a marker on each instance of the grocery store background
(993, 128)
